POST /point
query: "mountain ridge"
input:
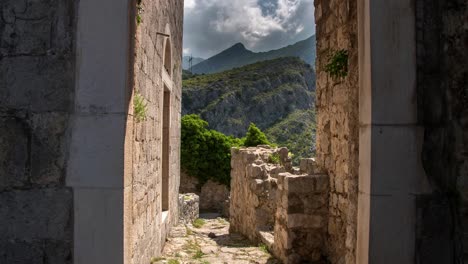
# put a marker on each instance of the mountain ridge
(186, 64)
(277, 95)
(238, 55)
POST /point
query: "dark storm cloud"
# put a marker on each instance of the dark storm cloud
(211, 26)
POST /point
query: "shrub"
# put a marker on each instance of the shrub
(255, 137)
(140, 108)
(274, 158)
(198, 223)
(206, 154)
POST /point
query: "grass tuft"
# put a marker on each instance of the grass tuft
(198, 223)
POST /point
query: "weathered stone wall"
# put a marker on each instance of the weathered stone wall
(338, 123)
(253, 190)
(188, 208)
(214, 197)
(144, 188)
(442, 110)
(301, 217)
(284, 207)
(37, 59)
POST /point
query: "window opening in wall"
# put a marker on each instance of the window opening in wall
(167, 57)
(166, 150)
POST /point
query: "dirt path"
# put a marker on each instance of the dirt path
(209, 242)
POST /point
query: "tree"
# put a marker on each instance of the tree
(206, 154)
(255, 137)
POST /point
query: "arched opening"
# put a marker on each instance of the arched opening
(167, 57)
(166, 127)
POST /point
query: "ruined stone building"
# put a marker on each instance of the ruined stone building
(90, 132)
(392, 138)
(89, 129)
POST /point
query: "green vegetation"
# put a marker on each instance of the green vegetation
(139, 12)
(198, 223)
(263, 248)
(140, 108)
(255, 137)
(274, 158)
(337, 66)
(297, 133)
(198, 254)
(173, 261)
(206, 154)
(277, 95)
(194, 247)
(154, 260)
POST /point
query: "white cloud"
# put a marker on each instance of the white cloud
(189, 3)
(213, 25)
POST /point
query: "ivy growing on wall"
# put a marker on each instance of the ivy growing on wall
(337, 66)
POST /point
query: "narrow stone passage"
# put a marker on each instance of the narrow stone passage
(208, 241)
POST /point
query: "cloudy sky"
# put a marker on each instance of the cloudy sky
(211, 26)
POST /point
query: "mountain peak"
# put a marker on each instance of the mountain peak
(238, 46)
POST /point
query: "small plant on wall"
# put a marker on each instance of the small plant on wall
(140, 108)
(139, 12)
(337, 65)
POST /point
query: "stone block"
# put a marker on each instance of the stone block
(98, 225)
(37, 27)
(255, 171)
(15, 156)
(389, 144)
(97, 151)
(300, 184)
(315, 203)
(102, 85)
(36, 214)
(322, 183)
(35, 251)
(309, 166)
(40, 84)
(188, 207)
(305, 221)
(48, 147)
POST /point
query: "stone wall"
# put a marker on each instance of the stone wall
(37, 58)
(144, 183)
(188, 208)
(214, 197)
(338, 123)
(253, 190)
(442, 110)
(301, 218)
(66, 119)
(283, 207)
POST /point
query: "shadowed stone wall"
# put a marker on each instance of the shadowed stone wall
(144, 179)
(301, 217)
(442, 40)
(37, 59)
(72, 156)
(338, 123)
